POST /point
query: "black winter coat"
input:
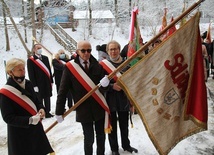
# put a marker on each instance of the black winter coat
(38, 77)
(58, 69)
(90, 110)
(117, 100)
(23, 139)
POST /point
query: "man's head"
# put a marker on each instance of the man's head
(84, 49)
(37, 49)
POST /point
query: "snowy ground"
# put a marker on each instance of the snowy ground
(67, 138)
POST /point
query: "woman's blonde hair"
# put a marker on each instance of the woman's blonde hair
(13, 63)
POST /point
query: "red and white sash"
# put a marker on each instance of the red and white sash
(22, 100)
(41, 65)
(88, 84)
(109, 68)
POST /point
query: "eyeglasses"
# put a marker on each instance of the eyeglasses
(83, 50)
(113, 49)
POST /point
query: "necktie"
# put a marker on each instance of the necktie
(86, 66)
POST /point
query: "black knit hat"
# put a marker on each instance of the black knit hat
(204, 35)
(103, 47)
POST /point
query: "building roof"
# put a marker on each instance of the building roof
(96, 14)
(16, 20)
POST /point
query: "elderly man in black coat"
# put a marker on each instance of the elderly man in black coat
(78, 76)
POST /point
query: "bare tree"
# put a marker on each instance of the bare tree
(116, 12)
(33, 20)
(14, 24)
(40, 18)
(71, 17)
(130, 7)
(90, 18)
(24, 21)
(5, 29)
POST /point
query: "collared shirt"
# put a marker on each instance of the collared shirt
(82, 62)
(39, 56)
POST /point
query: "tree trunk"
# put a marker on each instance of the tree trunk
(5, 29)
(90, 18)
(33, 20)
(71, 17)
(41, 22)
(116, 13)
(24, 21)
(14, 24)
(130, 7)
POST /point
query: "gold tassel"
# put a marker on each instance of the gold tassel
(108, 130)
(53, 153)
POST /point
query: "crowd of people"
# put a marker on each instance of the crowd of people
(24, 103)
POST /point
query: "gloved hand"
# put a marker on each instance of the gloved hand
(104, 81)
(36, 89)
(34, 119)
(59, 118)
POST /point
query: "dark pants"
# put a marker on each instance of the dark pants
(88, 132)
(123, 118)
(47, 103)
(69, 99)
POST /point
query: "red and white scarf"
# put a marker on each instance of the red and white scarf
(88, 84)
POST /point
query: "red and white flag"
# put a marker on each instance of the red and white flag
(135, 39)
(168, 90)
(172, 29)
(164, 24)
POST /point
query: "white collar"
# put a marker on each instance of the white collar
(39, 56)
(82, 61)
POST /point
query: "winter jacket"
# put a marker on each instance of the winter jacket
(23, 139)
(39, 78)
(117, 100)
(90, 110)
(58, 69)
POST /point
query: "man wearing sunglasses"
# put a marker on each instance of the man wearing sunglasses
(80, 76)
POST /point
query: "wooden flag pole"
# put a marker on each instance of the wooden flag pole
(74, 106)
(125, 63)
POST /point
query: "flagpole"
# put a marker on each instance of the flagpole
(125, 63)
(74, 106)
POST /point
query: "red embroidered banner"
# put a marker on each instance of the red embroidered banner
(168, 90)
